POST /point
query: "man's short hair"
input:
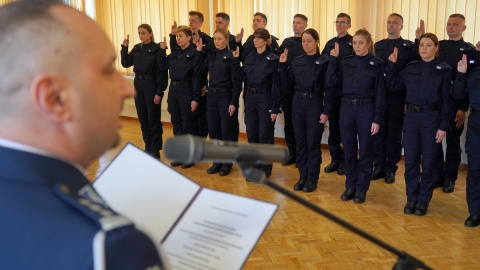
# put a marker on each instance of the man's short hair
(301, 16)
(261, 15)
(457, 15)
(397, 15)
(223, 15)
(344, 15)
(199, 14)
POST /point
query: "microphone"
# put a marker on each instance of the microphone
(190, 149)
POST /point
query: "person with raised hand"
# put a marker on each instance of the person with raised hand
(429, 109)
(150, 83)
(361, 111)
(305, 76)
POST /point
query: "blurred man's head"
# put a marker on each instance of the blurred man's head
(456, 26)
(342, 24)
(394, 25)
(59, 90)
(195, 20)
(259, 20)
(299, 24)
(222, 20)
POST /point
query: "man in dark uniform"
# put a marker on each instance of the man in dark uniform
(451, 52)
(58, 114)
(388, 141)
(222, 21)
(259, 21)
(471, 85)
(295, 49)
(344, 40)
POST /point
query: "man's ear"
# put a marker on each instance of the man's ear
(51, 97)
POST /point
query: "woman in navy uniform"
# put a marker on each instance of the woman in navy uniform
(150, 83)
(223, 91)
(361, 111)
(471, 85)
(185, 86)
(262, 94)
(306, 75)
(429, 108)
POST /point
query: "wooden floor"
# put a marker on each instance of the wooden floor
(297, 238)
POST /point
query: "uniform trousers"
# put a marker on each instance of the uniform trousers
(149, 115)
(356, 122)
(200, 124)
(288, 125)
(420, 147)
(472, 147)
(308, 135)
(179, 107)
(448, 170)
(334, 139)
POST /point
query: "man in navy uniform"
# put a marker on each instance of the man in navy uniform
(344, 40)
(388, 141)
(295, 49)
(451, 52)
(259, 21)
(60, 100)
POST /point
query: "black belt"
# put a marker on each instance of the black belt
(357, 101)
(423, 109)
(180, 84)
(253, 90)
(304, 95)
(218, 90)
(143, 77)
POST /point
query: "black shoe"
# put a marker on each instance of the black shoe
(348, 195)
(421, 209)
(299, 185)
(472, 221)
(448, 186)
(439, 183)
(289, 161)
(360, 197)
(214, 169)
(376, 174)
(332, 167)
(175, 164)
(409, 208)
(309, 186)
(341, 170)
(186, 166)
(225, 170)
(389, 177)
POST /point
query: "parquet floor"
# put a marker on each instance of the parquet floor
(297, 238)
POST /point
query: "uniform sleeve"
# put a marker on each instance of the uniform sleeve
(380, 98)
(200, 63)
(334, 73)
(286, 78)
(329, 92)
(459, 90)
(237, 82)
(173, 42)
(161, 72)
(198, 81)
(394, 79)
(447, 106)
(276, 96)
(126, 58)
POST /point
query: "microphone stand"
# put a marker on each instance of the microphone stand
(246, 159)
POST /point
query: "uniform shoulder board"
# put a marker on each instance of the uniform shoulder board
(380, 42)
(443, 66)
(274, 38)
(412, 62)
(322, 60)
(467, 47)
(376, 61)
(272, 57)
(408, 43)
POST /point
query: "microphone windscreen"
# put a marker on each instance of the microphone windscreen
(179, 148)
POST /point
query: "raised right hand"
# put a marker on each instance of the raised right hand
(462, 64)
(283, 56)
(174, 28)
(236, 53)
(163, 45)
(199, 45)
(126, 41)
(420, 30)
(394, 56)
(336, 50)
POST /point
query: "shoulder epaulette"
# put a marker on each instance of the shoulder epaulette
(412, 62)
(468, 46)
(322, 60)
(376, 61)
(408, 43)
(272, 57)
(443, 66)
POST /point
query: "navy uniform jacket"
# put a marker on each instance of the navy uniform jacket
(294, 46)
(468, 85)
(207, 42)
(50, 216)
(144, 58)
(361, 77)
(261, 71)
(249, 48)
(306, 74)
(180, 64)
(384, 48)
(344, 44)
(223, 71)
(232, 43)
(427, 84)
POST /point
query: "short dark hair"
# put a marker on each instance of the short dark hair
(199, 14)
(344, 15)
(185, 29)
(397, 15)
(223, 15)
(301, 16)
(261, 15)
(263, 34)
(457, 15)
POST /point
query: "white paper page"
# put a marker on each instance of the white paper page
(146, 191)
(218, 231)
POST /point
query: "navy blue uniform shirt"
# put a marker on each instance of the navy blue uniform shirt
(249, 48)
(294, 46)
(344, 44)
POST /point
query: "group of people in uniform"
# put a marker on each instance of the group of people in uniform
(377, 97)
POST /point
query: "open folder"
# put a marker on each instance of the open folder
(198, 228)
